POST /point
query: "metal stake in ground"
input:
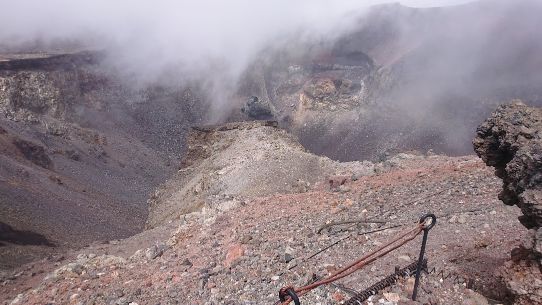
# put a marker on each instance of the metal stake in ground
(288, 294)
(426, 228)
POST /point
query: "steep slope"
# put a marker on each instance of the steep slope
(81, 150)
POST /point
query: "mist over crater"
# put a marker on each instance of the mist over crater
(114, 111)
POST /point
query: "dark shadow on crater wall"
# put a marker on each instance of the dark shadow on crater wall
(10, 235)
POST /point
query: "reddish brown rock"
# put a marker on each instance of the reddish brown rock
(235, 251)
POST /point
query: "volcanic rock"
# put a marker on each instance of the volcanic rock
(258, 109)
(511, 141)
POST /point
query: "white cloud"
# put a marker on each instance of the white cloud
(433, 3)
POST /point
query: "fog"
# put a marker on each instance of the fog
(194, 38)
(439, 60)
(445, 70)
(208, 40)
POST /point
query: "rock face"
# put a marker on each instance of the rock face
(511, 141)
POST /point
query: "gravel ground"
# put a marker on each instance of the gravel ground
(244, 251)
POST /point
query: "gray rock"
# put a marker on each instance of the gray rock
(288, 254)
(155, 251)
(258, 109)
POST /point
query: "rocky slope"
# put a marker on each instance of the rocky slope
(240, 160)
(241, 248)
(511, 141)
(80, 151)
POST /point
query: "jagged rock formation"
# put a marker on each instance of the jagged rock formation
(511, 141)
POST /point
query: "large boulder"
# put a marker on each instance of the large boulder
(511, 141)
(258, 109)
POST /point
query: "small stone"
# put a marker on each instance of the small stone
(288, 254)
(235, 252)
(152, 252)
(75, 268)
(275, 278)
(17, 300)
(344, 189)
(338, 297)
(405, 258)
(246, 239)
(121, 301)
(216, 270)
(74, 299)
(187, 262)
(392, 297)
